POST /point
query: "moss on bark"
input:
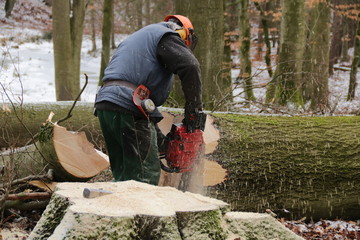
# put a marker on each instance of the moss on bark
(307, 165)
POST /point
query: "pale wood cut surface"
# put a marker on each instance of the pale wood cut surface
(76, 154)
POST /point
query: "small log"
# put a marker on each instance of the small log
(26, 205)
(34, 196)
(137, 210)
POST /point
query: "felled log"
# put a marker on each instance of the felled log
(135, 210)
(306, 165)
(33, 115)
(296, 166)
(71, 155)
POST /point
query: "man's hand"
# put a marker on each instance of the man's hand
(194, 120)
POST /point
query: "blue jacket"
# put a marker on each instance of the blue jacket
(135, 60)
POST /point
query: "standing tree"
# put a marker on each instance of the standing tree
(355, 63)
(316, 56)
(285, 84)
(139, 13)
(93, 24)
(9, 5)
(262, 8)
(106, 36)
(208, 19)
(245, 45)
(336, 30)
(68, 18)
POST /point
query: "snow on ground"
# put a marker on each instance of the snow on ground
(27, 64)
(27, 73)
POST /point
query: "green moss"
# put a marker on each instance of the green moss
(290, 162)
(201, 225)
(51, 218)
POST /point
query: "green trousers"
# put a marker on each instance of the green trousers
(132, 147)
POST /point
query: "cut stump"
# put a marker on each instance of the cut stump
(135, 210)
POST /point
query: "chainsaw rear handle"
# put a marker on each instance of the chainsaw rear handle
(169, 169)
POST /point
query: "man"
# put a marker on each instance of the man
(141, 70)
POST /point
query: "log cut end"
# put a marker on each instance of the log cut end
(77, 155)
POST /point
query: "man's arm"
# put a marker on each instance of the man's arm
(178, 59)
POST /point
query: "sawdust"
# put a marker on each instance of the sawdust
(133, 198)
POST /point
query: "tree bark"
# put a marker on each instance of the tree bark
(34, 115)
(316, 57)
(67, 38)
(245, 45)
(9, 5)
(285, 85)
(355, 64)
(93, 24)
(137, 210)
(265, 26)
(106, 36)
(210, 48)
(336, 31)
(307, 165)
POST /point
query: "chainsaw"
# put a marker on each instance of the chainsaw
(185, 145)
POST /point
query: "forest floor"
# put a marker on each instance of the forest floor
(17, 224)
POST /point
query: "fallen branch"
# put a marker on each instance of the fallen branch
(21, 205)
(46, 178)
(34, 195)
(69, 115)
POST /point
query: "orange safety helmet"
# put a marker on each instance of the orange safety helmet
(190, 38)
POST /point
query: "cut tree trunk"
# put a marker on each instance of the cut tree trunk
(71, 155)
(307, 165)
(33, 115)
(135, 210)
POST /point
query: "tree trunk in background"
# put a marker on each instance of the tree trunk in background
(9, 5)
(316, 57)
(210, 48)
(147, 12)
(229, 29)
(285, 84)
(336, 30)
(93, 25)
(345, 39)
(245, 45)
(265, 26)
(355, 64)
(139, 13)
(106, 36)
(67, 38)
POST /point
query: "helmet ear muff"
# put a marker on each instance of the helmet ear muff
(182, 33)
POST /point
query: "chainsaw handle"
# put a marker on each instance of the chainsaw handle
(168, 169)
